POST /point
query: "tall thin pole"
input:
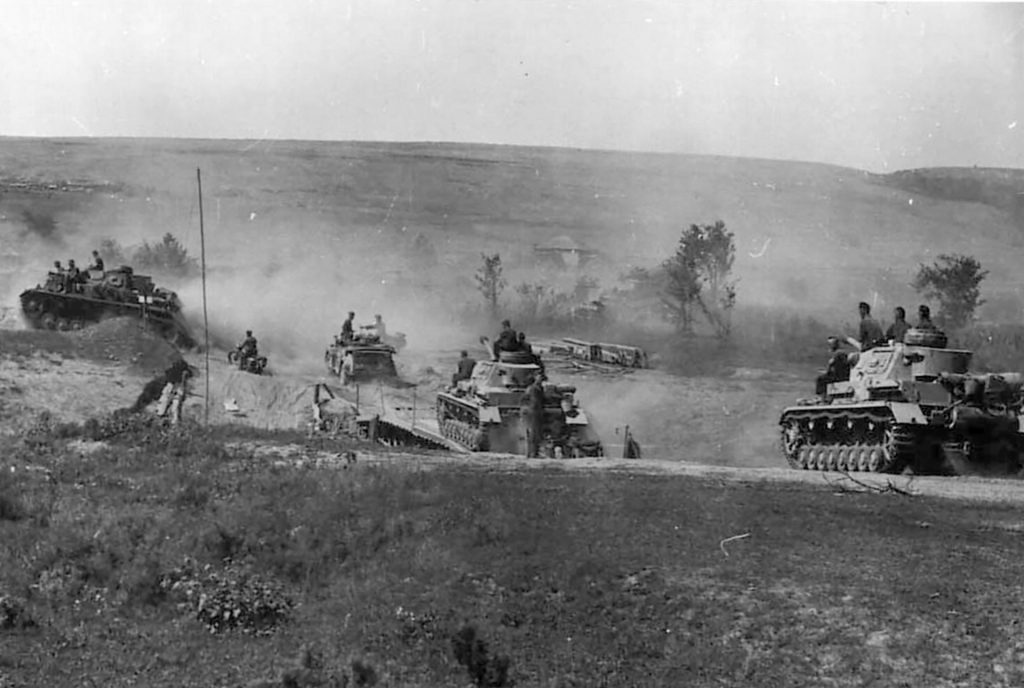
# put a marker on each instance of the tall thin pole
(206, 320)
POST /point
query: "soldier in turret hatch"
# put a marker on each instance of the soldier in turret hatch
(524, 345)
(507, 339)
(924, 318)
(97, 262)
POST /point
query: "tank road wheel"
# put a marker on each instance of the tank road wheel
(48, 321)
(792, 440)
(76, 324)
(63, 324)
(956, 455)
(833, 458)
(33, 307)
(898, 450)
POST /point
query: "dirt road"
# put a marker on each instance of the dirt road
(991, 490)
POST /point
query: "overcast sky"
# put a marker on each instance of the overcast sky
(878, 86)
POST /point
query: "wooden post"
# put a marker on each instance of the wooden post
(206, 320)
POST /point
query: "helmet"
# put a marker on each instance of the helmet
(248, 333)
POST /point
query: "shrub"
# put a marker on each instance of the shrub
(230, 598)
(13, 614)
(472, 652)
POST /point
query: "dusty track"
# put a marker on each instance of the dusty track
(972, 488)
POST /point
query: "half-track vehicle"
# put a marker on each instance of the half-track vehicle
(362, 358)
(63, 304)
(483, 413)
(910, 405)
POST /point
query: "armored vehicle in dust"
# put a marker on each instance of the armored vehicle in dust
(910, 405)
(64, 304)
(483, 413)
(361, 359)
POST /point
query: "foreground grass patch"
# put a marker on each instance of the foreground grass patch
(182, 563)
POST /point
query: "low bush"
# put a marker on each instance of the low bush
(230, 597)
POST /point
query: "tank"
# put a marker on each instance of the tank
(58, 305)
(365, 357)
(483, 412)
(910, 405)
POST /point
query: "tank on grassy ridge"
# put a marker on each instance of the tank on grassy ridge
(65, 304)
(910, 405)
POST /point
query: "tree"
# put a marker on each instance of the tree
(489, 280)
(953, 280)
(697, 278)
(168, 257)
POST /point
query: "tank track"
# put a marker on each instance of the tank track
(473, 438)
(841, 441)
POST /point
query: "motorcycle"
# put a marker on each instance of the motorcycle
(247, 363)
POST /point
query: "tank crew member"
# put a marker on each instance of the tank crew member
(838, 369)
(524, 345)
(347, 331)
(97, 262)
(248, 346)
(465, 368)
(924, 318)
(899, 325)
(378, 325)
(507, 339)
(869, 334)
(72, 276)
(532, 411)
(58, 268)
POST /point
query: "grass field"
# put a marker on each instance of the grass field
(574, 580)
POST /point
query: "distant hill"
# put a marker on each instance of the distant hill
(813, 235)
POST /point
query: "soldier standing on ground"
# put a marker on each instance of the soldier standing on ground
(532, 411)
(899, 325)
(175, 391)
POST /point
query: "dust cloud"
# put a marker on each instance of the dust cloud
(295, 292)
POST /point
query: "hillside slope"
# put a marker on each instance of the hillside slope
(815, 235)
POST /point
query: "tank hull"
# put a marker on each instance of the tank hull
(45, 309)
(892, 437)
(368, 363)
(479, 426)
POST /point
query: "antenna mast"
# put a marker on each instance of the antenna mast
(206, 320)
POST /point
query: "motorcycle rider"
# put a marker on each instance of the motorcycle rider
(248, 346)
